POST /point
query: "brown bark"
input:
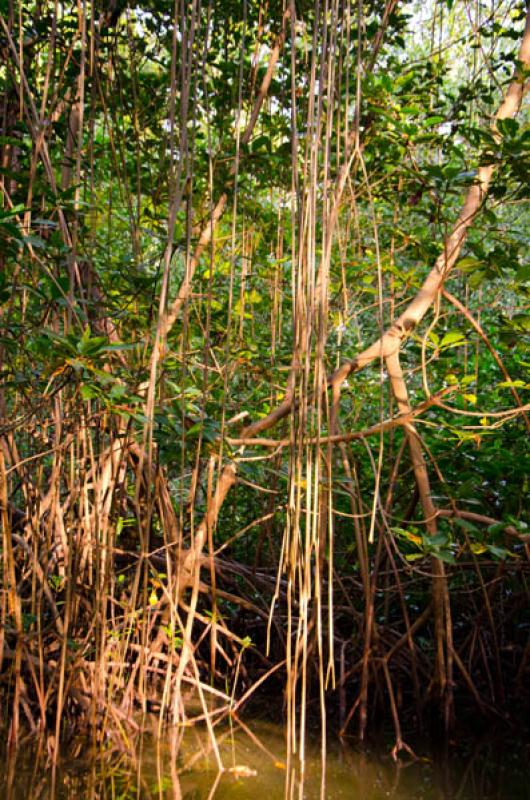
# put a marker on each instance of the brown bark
(443, 682)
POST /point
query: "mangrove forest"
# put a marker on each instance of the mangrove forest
(264, 373)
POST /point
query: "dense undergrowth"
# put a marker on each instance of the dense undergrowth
(264, 313)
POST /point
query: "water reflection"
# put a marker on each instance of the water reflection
(182, 766)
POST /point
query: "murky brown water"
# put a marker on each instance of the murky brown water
(255, 769)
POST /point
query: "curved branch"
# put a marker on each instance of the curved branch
(393, 338)
(390, 342)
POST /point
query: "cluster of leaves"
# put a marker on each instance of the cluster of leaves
(425, 128)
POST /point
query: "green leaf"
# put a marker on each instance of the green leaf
(468, 264)
(477, 278)
(512, 385)
(34, 241)
(508, 127)
(438, 540)
(466, 525)
(89, 391)
(434, 120)
(453, 339)
(499, 553)
(8, 213)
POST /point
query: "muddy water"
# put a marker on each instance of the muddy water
(255, 768)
